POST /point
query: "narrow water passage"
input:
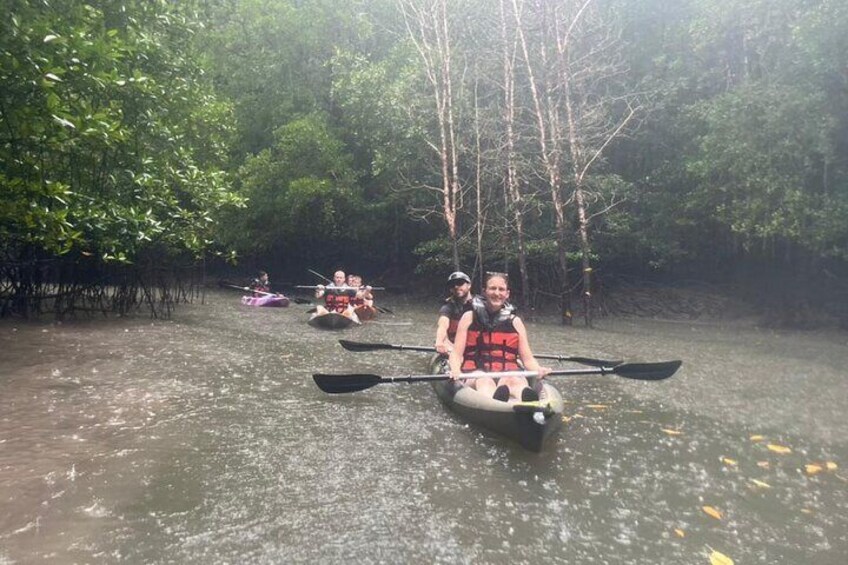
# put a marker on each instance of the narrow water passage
(203, 439)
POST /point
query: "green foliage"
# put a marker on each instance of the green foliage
(271, 58)
(111, 141)
(124, 127)
(746, 146)
(376, 97)
(303, 191)
(768, 163)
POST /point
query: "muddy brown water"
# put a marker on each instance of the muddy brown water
(202, 439)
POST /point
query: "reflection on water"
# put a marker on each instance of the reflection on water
(202, 439)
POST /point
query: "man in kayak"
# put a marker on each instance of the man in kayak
(260, 284)
(459, 302)
(491, 338)
(338, 296)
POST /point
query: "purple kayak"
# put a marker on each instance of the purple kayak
(266, 300)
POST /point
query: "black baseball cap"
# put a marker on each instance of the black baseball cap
(458, 276)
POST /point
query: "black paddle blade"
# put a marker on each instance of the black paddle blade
(647, 371)
(360, 347)
(340, 384)
(297, 300)
(594, 362)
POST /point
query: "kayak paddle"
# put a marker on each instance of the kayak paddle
(319, 275)
(337, 384)
(360, 347)
(248, 289)
(324, 287)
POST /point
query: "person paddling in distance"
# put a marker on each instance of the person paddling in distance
(260, 284)
(457, 304)
(363, 303)
(338, 296)
(363, 292)
(491, 338)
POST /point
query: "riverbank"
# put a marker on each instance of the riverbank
(695, 302)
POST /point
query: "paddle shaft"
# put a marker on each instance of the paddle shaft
(248, 289)
(309, 287)
(319, 275)
(361, 347)
(498, 375)
(336, 384)
(465, 376)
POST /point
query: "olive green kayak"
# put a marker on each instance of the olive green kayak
(531, 424)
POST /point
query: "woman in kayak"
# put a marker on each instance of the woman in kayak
(491, 338)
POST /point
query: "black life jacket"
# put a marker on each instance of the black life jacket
(456, 312)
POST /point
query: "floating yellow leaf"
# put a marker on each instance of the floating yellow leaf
(831, 466)
(763, 464)
(728, 461)
(597, 406)
(672, 432)
(806, 511)
(783, 450)
(679, 533)
(760, 483)
(712, 512)
(718, 558)
(757, 438)
(813, 468)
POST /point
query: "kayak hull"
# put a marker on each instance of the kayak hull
(516, 421)
(332, 321)
(272, 301)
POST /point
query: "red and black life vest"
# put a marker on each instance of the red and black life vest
(336, 300)
(492, 342)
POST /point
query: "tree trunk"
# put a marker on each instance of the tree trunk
(590, 124)
(478, 182)
(428, 29)
(513, 189)
(550, 151)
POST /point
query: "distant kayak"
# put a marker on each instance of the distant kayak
(271, 300)
(332, 321)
